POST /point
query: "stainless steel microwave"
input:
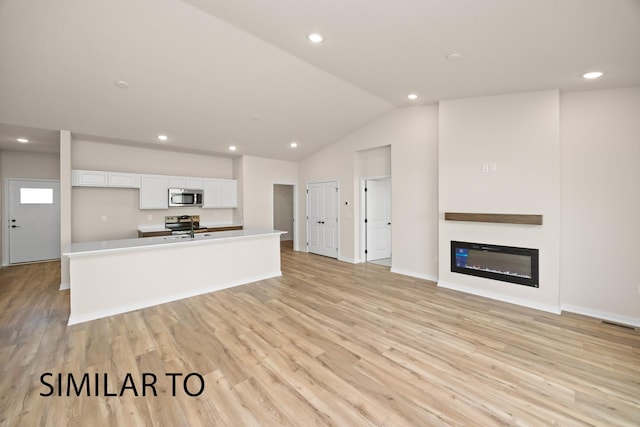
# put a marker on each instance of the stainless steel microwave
(185, 197)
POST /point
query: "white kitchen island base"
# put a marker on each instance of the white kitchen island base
(118, 276)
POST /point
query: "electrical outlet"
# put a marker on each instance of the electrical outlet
(493, 167)
(485, 168)
(149, 217)
(103, 218)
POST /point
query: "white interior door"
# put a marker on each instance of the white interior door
(322, 218)
(33, 223)
(378, 219)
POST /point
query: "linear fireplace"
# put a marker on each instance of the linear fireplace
(505, 263)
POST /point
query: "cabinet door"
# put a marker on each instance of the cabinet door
(212, 193)
(220, 193)
(177, 182)
(229, 193)
(90, 178)
(154, 192)
(189, 182)
(194, 183)
(123, 179)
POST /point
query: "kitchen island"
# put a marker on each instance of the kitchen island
(116, 276)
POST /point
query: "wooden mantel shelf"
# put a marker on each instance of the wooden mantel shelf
(496, 218)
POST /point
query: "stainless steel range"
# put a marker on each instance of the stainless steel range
(184, 224)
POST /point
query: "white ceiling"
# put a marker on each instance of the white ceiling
(212, 73)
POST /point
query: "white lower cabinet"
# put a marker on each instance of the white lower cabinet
(154, 192)
(220, 193)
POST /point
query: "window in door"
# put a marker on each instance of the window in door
(36, 196)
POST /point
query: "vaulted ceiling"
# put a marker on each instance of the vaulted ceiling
(215, 73)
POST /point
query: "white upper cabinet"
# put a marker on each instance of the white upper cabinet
(86, 178)
(154, 192)
(89, 178)
(220, 193)
(154, 189)
(189, 182)
(229, 193)
(123, 179)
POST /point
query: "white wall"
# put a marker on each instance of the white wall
(121, 205)
(414, 193)
(24, 164)
(600, 134)
(519, 133)
(65, 206)
(374, 163)
(412, 135)
(258, 176)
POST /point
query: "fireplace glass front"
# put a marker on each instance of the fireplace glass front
(504, 263)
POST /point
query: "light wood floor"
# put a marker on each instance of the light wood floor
(328, 343)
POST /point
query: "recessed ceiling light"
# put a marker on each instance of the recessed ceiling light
(163, 137)
(592, 75)
(122, 84)
(315, 37)
(22, 140)
(412, 96)
(232, 148)
(453, 56)
(293, 145)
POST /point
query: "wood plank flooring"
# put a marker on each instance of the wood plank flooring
(328, 343)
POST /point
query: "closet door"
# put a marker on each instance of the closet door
(378, 219)
(322, 218)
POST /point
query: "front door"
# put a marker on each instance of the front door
(378, 219)
(322, 218)
(33, 223)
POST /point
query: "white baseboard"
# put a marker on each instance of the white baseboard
(414, 274)
(64, 286)
(603, 315)
(132, 307)
(349, 260)
(500, 297)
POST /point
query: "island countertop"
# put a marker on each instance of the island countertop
(150, 228)
(117, 276)
(105, 246)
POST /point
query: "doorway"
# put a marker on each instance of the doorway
(322, 218)
(33, 220)
(283, 212)
(377, 221)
